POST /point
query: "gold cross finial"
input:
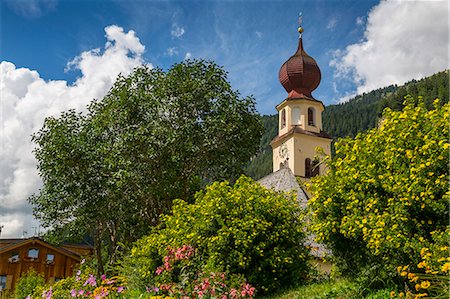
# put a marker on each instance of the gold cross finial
(300, 21)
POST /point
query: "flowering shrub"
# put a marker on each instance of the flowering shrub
(177, 278)
(243, 229)
(430, 277)
(28, 283)
(386, 193)
(82, 285)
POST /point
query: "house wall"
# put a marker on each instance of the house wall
(61, 267)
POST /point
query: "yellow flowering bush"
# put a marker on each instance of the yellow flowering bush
(386, 192)
(430, 277)
(242, 229)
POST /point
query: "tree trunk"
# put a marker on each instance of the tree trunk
(98, 249)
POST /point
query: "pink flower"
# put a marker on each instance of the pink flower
(91, 280)
(200, 294)
(120, 289)
(28, 297)
(247, 290)
(73, 293)
(103, 277)
(234, 293)
(83, 261)
(159, 270)
(47, 294)
(205, 284)
(80, 292)
(110, 281)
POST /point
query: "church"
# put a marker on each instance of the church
(300, 131)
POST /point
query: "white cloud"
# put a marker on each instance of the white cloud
(403, 40)
(172, 51)
(27, 99)
(177, 31)
(187, 56)
(332, 23)
(259, 34)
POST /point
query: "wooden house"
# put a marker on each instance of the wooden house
(18, 256)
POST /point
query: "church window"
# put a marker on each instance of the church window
(296, 116)
(315, 168)
(283, 118)
(311, 117)
(308, 167)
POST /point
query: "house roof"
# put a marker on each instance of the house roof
(284, 180)
(11, 244)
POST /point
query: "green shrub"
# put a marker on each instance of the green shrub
(243, 229)
(386, 193)
(28, 283)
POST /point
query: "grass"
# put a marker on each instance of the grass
(330, 289)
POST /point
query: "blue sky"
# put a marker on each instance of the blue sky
(60, 54)
(250, 39)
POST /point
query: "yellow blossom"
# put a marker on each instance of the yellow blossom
(425, 284)
(445, 267)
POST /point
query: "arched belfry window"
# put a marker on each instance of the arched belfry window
(311, 116)
(308, 167)
(283, 118)
(296, 116)
(315, 168)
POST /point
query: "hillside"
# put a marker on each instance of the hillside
(357, 115)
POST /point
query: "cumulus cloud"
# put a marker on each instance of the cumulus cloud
(187, 56)
(177, 31)
(27, 100)
(403, 40)
(31, 9)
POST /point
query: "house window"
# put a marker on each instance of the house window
(50, 258)
(311, 117)
(2, 282)
(283, 118)
(14, 257)
(308, 167)
(33, 253)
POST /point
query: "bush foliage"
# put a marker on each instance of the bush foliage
(386, 193)
(28, 283)
(243, 229)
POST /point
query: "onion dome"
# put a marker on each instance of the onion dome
(300, 74)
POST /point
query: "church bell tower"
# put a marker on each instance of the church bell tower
(300, 129)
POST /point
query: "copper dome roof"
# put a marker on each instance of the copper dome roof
(300, 74)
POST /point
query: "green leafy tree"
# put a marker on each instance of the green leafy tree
(386, 192)
(243, 229)
(154, 137)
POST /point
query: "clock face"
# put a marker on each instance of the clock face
(283, 151)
